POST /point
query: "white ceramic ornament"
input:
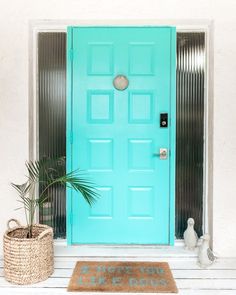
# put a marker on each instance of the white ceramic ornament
(205, 254)
(190, 236)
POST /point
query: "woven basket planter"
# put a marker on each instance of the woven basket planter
(28, 261)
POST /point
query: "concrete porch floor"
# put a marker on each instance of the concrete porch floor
(219, 279)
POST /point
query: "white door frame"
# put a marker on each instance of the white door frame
(206, 26)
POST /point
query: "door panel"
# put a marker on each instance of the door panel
(116, 134)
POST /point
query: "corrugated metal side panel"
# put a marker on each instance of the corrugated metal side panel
(52, 115)
(190, 130)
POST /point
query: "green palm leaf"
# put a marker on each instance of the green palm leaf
(44, 174)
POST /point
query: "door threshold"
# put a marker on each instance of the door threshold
(118, 251)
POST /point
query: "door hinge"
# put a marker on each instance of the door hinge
(71, 54)
(71, 137)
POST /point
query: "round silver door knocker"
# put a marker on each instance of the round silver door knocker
(120, 82)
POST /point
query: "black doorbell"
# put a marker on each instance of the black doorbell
(163, 120)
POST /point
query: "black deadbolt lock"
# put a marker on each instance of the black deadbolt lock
(163, 120)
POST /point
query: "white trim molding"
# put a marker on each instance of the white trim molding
(123, 251)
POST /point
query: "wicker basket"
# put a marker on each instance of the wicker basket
(28, 261)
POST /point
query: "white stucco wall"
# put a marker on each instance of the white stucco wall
(14, 60)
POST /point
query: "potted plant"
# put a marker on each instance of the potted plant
(28, 250)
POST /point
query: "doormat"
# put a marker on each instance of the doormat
(125, 276)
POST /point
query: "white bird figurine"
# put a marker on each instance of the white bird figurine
(205, 254)
(190, 236)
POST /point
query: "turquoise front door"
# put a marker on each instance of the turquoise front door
(115, 135)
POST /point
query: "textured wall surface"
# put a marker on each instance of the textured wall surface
(14, 60)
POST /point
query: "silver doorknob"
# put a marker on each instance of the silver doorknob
(162, 154)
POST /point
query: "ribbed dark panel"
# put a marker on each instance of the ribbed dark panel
(52, 119)
(190, 130)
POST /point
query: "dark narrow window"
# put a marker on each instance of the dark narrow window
(190, 125)
(52, 119)
(190, 130)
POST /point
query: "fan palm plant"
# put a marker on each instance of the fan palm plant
(43, 175)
